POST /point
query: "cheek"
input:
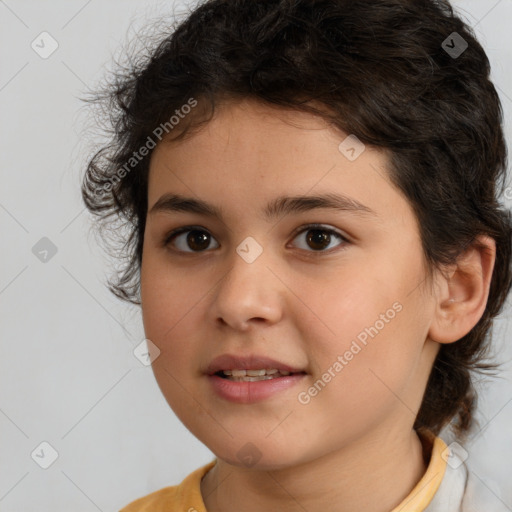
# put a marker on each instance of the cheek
(349, 308)
(377, 328)
(168, 303)
(167, 316)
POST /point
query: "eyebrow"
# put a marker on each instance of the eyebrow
(283, 205)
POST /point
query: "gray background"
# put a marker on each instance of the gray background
(68, 373)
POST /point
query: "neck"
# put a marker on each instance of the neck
(353, 478)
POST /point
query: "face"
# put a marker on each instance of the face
(335, 292)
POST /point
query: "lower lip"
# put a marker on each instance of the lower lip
(249, 392)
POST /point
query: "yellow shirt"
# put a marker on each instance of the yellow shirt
(186, 497)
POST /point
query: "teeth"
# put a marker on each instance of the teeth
(255, 375)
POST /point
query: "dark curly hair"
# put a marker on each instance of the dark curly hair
(379, 69)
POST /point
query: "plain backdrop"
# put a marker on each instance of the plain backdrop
(69, 377)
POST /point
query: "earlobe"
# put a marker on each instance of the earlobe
(462, 292)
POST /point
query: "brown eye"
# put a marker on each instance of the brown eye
(195, 240)
(198, 240)
(189, 240)
(319, 238)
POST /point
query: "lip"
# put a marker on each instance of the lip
(248, 362)
(250, 392)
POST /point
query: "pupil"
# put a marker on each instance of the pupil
(200, 237)
(318, 237)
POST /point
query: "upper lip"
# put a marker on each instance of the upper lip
(247, 362)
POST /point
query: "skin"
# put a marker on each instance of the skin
(352, 447)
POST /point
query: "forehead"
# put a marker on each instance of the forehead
(251, 152)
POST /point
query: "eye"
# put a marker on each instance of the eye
(193, 239)
(197, 238)
(318, 237)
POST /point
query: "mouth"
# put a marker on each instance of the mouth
(244, 387)
(255, 375)
(251, 378)
(249, 368)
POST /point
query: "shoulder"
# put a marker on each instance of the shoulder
(451, 491)
(488, 495)
(183, 497)
(462, 490)
(459, 488)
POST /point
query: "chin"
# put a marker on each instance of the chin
(257, 456)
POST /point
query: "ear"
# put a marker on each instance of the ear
(462, 292)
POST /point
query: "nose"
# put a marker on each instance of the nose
(249, 293)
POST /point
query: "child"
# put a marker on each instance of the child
(317, 245)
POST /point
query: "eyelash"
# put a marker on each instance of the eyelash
(309, 227)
